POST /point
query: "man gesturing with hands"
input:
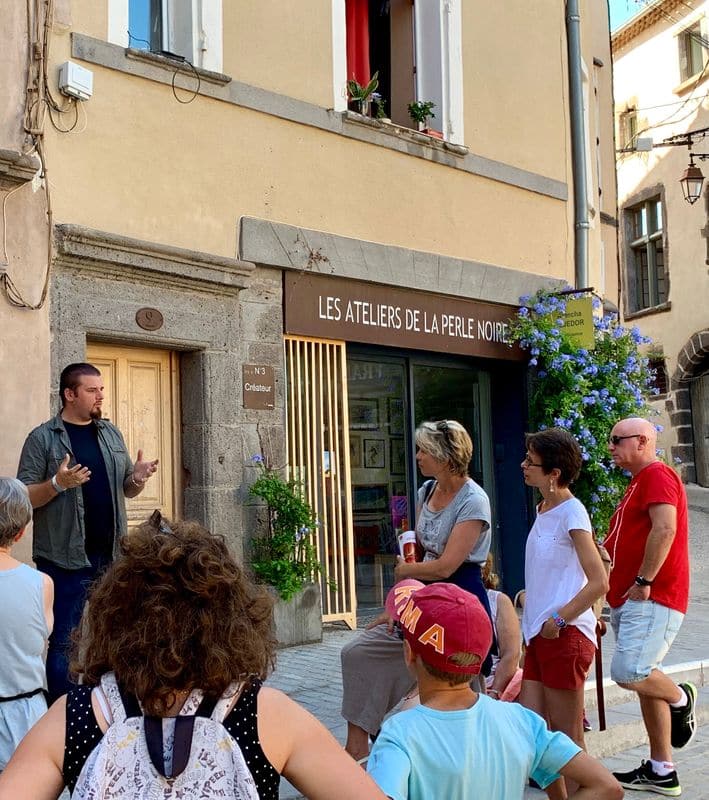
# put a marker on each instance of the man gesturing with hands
(78, 474)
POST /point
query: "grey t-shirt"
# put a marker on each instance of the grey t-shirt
(433, 528)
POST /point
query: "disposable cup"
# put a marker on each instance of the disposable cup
(407, 546)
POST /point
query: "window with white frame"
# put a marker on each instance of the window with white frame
(191, 29)
(415, 46)
(692, 47)
(646, 270)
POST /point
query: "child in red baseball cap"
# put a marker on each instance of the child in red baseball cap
(458, 744)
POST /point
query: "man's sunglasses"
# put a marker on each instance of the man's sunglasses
(618, 439)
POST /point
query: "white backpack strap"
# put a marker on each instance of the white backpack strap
(191, 704)
(226, 701)
(112, 694)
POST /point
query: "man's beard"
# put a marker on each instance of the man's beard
(96, 414)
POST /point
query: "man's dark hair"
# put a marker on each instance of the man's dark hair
(557, 448)
(71, 376)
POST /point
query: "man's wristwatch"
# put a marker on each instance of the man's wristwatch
(640, 581)
(55, 485)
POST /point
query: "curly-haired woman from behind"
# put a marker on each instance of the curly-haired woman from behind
(174, 622)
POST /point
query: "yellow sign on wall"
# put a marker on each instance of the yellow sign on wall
(578, 322)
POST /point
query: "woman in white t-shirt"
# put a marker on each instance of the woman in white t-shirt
(564, 575)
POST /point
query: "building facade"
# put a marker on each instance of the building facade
(661, 80)
(258, 268)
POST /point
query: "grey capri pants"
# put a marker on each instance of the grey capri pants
(374, 677)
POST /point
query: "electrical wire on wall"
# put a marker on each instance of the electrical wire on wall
(174, 57)
(671, 119)
(40, 103)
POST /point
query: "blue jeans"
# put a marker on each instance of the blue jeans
(70, 589)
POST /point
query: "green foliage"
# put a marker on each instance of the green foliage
(362, 93)
(421, 110)
(584, 391)
(379, 106)
(285, 557)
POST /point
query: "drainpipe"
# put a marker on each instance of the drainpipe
(578, 144)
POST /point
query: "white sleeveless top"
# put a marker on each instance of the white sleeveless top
(24, 631)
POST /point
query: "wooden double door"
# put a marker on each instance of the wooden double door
(142, 400)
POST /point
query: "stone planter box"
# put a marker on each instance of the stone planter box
(298, 620)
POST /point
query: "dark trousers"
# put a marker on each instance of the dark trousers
(70, 590)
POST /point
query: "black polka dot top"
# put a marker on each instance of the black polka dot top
(83, 734)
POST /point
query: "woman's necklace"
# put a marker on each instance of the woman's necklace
(554, 500)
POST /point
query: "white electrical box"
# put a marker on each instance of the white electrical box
(76, 81)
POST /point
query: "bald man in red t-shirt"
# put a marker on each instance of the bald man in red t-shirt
(648, 596)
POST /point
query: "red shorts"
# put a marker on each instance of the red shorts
(561, 663)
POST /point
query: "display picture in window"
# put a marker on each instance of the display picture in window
(396, 416)
(374, 457)
(355, 452)
(364, 414)
(397, 457)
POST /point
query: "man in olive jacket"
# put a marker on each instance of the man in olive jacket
(78, 474)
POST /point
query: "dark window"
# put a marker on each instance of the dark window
(647, 278)
(659, 370)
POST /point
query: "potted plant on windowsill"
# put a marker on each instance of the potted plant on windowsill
(285, 558)
(361, 95)
(420, 111)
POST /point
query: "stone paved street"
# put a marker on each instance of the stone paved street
(311, 674)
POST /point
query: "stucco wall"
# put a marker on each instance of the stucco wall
(250, 163)
(647, 77)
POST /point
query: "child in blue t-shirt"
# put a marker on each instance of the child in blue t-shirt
(458, 744)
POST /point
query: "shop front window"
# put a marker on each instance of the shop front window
(387, 397)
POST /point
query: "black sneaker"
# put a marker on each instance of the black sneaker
(684, 720)
(645, 779)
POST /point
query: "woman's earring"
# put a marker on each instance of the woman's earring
(552, 486)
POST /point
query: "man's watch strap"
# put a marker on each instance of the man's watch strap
(55, 485)
(640, 581)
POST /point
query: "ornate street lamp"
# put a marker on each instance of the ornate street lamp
(692, 181)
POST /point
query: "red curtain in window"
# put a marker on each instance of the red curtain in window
(357, 20)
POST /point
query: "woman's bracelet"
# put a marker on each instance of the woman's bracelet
(559, 621)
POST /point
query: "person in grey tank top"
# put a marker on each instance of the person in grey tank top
(26, 597)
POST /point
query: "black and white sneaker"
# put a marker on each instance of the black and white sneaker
(684, 720)
(645, 779)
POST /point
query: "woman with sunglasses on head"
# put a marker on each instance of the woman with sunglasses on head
(564, 576)
(453, 529)
(175, 633)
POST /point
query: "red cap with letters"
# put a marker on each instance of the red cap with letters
(447, 626)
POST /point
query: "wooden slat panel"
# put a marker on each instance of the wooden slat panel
(317, 423)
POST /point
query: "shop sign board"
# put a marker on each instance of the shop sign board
(578, 322)
(259, 386)
(356, 311)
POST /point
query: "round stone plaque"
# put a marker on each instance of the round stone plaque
(149, 319)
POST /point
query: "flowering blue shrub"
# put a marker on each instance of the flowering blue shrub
(584, 391)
